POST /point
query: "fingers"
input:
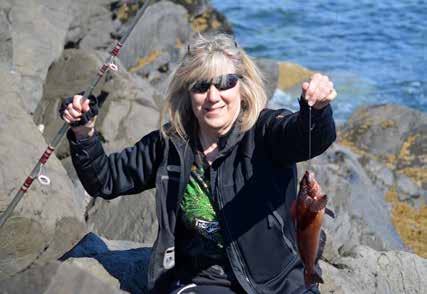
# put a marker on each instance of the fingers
(319, 91)
(75, 110)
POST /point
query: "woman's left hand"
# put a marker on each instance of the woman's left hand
(319, 91)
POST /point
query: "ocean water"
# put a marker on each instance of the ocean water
(374, 51)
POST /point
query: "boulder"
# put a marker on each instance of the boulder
(56, 278)
(157, 41)
(366, 271)
(391, 143)
(270, 70)
(92, 25)
(131, 217)
(47, 222)
(33, 44)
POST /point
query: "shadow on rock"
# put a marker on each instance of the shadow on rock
(125, 263)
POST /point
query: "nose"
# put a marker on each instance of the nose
(213, 94)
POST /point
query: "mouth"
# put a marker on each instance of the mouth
(213, 110)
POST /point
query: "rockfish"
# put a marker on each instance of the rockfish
(307, 212)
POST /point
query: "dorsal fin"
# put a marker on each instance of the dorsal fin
(317, 205)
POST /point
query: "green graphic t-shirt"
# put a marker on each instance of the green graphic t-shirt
(199, 213)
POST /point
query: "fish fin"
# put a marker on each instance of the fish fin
(330, 212)
(322, 243)
(317, 276)
(313, 278)
(317, 205)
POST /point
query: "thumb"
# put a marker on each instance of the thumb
(305, 86)
(85, 106)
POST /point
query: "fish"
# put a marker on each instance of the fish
(307, 212)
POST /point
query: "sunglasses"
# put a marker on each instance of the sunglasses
(222, 83)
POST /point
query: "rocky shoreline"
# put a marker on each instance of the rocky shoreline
(60, 240)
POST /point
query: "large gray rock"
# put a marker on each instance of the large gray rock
(56, 278)
(394, 135)
(91, 26)
(36, 30)
(367, 271)
(47, 222)
(132, 217)
(157, 42)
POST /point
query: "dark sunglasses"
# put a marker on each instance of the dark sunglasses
(222, 83)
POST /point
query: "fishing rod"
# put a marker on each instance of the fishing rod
(38, 168)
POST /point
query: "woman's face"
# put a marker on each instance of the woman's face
(216, 110)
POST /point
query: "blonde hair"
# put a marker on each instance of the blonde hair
(206, 57)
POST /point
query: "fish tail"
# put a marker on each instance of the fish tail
(314, 277)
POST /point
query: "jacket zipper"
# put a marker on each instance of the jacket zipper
(233, 244)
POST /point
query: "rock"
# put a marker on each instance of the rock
(6, 46)
(270, 70)
(292, 75)
(121, 264)
(132, 217)
(47, 222)
(396, 137)
(368, 271)
(36, 43)
(91, 26)
(56, 278)
(159, 34)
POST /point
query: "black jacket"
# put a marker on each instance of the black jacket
(254, 179)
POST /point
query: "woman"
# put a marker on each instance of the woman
(224, 170)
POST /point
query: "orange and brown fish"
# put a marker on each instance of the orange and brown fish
(307, 212)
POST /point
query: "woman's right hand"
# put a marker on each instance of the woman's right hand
(74, 112)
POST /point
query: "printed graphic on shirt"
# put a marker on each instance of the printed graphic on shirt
(199, 213)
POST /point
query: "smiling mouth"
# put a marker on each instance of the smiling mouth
(214, 109)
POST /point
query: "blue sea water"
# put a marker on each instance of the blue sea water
(374, 51)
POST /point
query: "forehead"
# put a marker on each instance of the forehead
(212, 67)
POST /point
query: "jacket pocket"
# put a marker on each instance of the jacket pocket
(274, 218)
